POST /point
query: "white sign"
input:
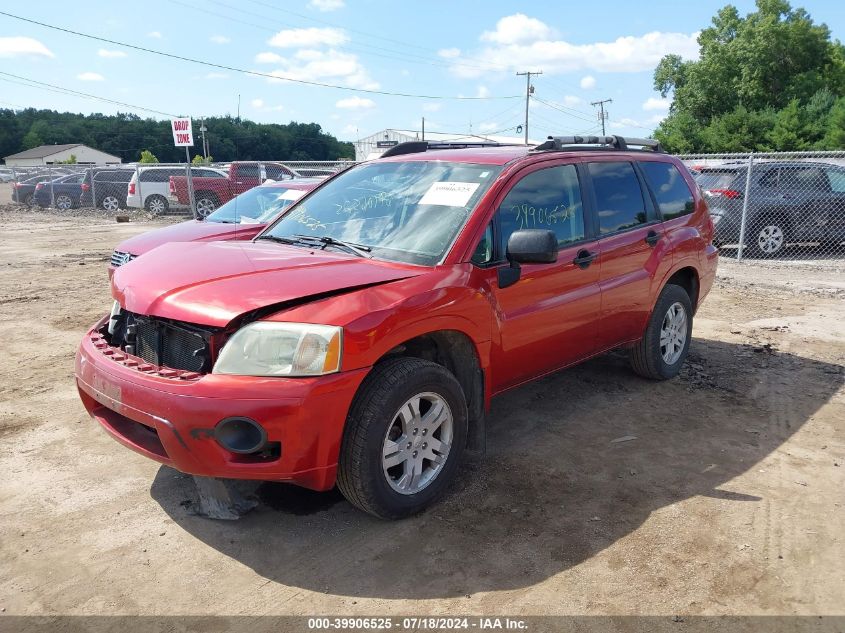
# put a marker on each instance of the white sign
(449, 194)
(183, 136)
(292, 194)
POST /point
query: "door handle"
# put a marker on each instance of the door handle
(652, 238)
(584, 258)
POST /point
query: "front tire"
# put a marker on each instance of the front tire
(661, 352)
(64, 202)
(404, 437)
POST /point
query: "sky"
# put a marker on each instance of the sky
(587, 51)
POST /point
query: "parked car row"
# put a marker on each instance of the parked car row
(788, 202)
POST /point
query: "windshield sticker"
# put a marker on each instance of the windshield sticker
(484, 174)
(292, 194)
(449, 194)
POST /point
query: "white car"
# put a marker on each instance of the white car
(153, 190)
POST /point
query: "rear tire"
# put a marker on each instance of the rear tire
(768, 238)
(157, 205)
(110, 203)
(64, 202)
(206, 204)
(27, 199)
(661, 352)
(404, 437)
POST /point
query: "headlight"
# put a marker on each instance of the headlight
(267, 348)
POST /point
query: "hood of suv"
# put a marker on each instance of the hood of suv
(190, 231)
(214, 283)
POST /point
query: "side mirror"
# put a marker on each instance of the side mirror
(527, 246)
(532, 246)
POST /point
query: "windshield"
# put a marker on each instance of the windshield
(259, 205)
(401, 211)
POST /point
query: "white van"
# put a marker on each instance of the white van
(154, 187)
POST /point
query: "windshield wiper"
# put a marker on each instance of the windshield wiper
(282, 240)
(356, 249)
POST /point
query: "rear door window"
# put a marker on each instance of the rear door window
(619, 198)
(671, 191)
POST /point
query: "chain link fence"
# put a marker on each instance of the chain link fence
(784, 206)
(159, 188)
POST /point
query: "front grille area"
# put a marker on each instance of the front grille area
(164, 343)
(119, 258)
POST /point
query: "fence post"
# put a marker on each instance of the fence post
(93, 186)
(138, 186)
(189, 183)
(745, 207)
(52, 187)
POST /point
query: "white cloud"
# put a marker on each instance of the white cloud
(89, 76)
(652, 103)
(23, 46)
(588, 82)
(325, 66)
(432, 107)
(572, 101)
(488, 127)
(156, 35)
(324, 6)
(217, 76)
(517, 28)
(269, 58)
(627, 123)
(355, 103)
(520, 42)
(483, 92)
(350, 130)
(299, 38)
(449, 53)
(219, 39)
(104, 52)
(257, 103)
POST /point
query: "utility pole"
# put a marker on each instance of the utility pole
(529, 90)
(423, 128)
(204, 129)
(602, 113)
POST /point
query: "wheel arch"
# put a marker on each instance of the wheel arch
(457, 352)
(687, 278)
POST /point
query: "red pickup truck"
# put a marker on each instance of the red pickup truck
(210, 193)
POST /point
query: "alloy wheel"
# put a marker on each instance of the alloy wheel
(157, 205)
(673, 333)
(204, 207)
(64, 203)
(770, 239)
(417, 443)
(110, 203)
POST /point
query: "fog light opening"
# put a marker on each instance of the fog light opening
(240, 435)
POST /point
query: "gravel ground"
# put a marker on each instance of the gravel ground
(718, 492)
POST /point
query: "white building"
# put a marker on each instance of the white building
(52, 154)
(374, 145)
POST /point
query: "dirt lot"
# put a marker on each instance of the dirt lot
(719, 492)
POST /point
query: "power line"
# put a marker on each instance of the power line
(53, 88)
(565, 110)
(253, 73)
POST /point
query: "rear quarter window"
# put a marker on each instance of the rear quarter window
(671, 191)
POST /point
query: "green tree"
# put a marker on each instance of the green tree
(775, 58)
(70, 161)
(148, 157)
(199, 160)
(835, 135)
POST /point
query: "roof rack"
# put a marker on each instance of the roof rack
(414, 147)
(614, 142)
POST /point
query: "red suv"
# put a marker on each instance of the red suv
(359, 338)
